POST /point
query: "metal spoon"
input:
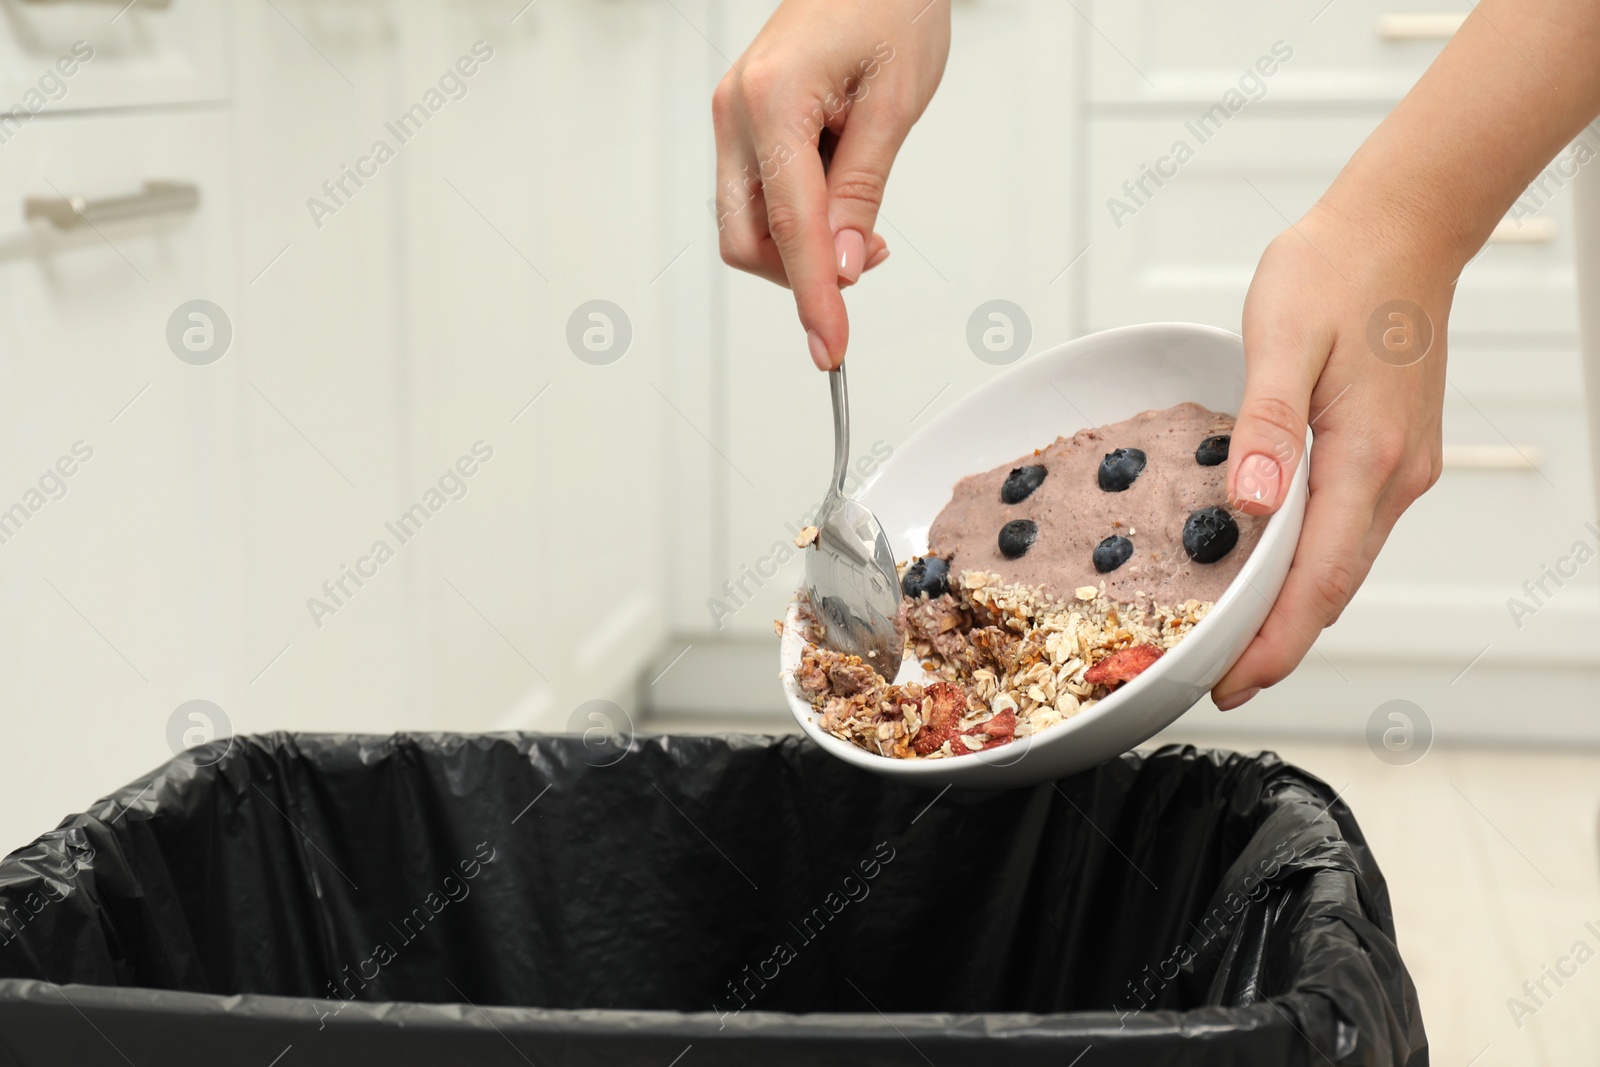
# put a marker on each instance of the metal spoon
(850, 573)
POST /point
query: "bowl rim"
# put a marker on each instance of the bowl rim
(1272, 535)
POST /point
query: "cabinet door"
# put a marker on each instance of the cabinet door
(66, 55)
(1513, 500)
(1168, 51)
(549, 261)
(332, 454)
(1490, 556)
(1185, 247)
(118, 507)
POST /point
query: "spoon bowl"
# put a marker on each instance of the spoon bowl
(850, 573)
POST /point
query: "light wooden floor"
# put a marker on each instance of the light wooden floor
(1492, 863)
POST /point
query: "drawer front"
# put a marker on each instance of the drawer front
(1355, 50)
(1515, 490)
(88, 296)
(1186, 249)
(66, 55)
(119, 466)
(1502, 554)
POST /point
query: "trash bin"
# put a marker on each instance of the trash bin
(516, 898)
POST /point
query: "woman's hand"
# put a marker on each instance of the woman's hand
(1344, 329)
(863, 70)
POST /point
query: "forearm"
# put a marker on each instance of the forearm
(1517, 83)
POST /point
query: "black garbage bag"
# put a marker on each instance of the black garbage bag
(510, 899)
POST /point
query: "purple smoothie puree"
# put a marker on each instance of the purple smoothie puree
(1073, 514)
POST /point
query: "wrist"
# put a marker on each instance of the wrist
(1411, 227)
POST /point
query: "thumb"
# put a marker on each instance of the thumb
(857, 177)
(797, 219)
(1269, 435)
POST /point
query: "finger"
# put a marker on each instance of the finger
(1330, 562)
(741, 209)
(877, 251)
(797, 219)
(857, 178)
(1282, 364)
(757, 252)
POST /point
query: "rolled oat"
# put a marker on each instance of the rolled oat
(1008, 661)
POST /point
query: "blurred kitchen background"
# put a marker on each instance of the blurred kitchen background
(378, 323)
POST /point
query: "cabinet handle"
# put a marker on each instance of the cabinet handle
(1419, 27)
(1493, 457)
(72, 212)
(1538, 230)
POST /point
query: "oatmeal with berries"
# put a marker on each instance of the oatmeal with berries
(1049, 582)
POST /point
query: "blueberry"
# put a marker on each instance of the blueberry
(1119, 468)
(1213, 451)
(1017, 536)
(930, 575)
(1112, 553)
(1209, 534)
(1021, 483)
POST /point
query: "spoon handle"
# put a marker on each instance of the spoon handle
(841, 427)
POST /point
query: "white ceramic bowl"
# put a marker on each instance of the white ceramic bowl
(1095, 380)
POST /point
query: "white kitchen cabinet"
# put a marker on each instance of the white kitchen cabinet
(70, 55)
(118, 580)
(1185, 248)
(328, 430)
(1169, 52)
(526, 200)
(375, 344)
(1511, 503)
(1188, 249)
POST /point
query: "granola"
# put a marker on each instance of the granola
(1007, 661)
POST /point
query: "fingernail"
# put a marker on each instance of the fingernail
(819, 350)
(877, 257)
(849, 248)
(1258, 484)
(1241, 697)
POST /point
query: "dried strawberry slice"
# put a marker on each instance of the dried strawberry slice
(998, 730)
(1121, 666)
(946, 705)
(1002, 726)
